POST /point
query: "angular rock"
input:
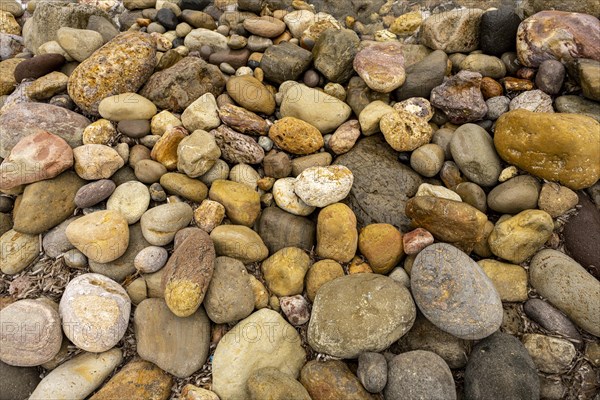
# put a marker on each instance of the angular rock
(381, 66)
(405, 131)
(243, 120)
(285, 62)
(177, 87)
(334, 53)
(460, 98)
(345, 324)
(197, 153)
(551, 355)
(202, 114)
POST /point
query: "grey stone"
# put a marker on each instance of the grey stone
(582, 235)
(284, 62)
(280, 229)
(515, 195)
(577, 105)
(460, 98)
(500, 368)
(454, 293)
(382, 184)
(17, 383)
(334, 53)
(498, 29)
(496, 107)
(372, 371)
(550, 76)
(423, 76)
(55, 242)
(419, 375)
(551, 319)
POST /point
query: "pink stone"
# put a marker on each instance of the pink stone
(36, 157)
(381, 66)
(295, 308)
(417, 240)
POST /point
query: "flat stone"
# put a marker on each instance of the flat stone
(126, 106)
(515, 195)
(509, 280)
(19, 250)
(551, 319)
(280, 229)
(27, 118)
(161, 223)
(48, 86)
(18, 382)
(469, 307)
(568, 286)
(344, 324)
(242, 120)
(21, 317)
(185, 340)
(382, 184)
(577, 105)
(381, 66)
(251, 94)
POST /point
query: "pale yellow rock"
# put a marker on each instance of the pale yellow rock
(17, 251)
(509, 280)
(126, 106)
(162, 121)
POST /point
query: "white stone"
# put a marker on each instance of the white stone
(78, 377)
(201, 36)
(130, 199)
(299, 21)
(322, 186)
(425, 189)
(95, 312)
(264, 339)
(286, 198)
(201, 114)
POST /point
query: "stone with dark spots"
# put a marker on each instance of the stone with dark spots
(285, 62)
(236, 147)
(500, 368)
(38, 66)
(497, 31)
(279, 229)
(167, 18)
(235, 58)
(359, 9)
(582, 235)
(460, 98)
(382, 185)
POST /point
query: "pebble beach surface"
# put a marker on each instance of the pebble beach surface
(290, 200)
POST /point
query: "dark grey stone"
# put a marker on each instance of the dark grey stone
(17, 383)
(372, 371)
(423, 76)
(550, 76)
(279, 229)
(284, 62)
(551, 319)
(334, 53)
(498, 29)
(582, 236)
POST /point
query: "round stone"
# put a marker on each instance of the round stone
(131, 199)
(427, 160)
(284, 271)
(95, 312)
(296, 136)
(151, 259)
(31, 333)
(126, 107)
(322, 186)
(161, 223)
(382, 245)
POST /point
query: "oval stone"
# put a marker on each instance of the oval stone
(322, 186)
(120, 66)
(473, 151)
(454, 293)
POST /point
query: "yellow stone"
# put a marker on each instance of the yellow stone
(241, 202)
(319, 274)
(337, 237)
(382, 245)
(406, 24)
(165, 150)
(510, 280)
(101, 131)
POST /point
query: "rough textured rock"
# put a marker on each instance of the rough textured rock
(285, 62)
(382, 184)
(460, 98)
(273, 384)
(358, 313)
(296, 136)
(229, 296)
(559, 147)
(568, 286)
(321, 186)
(264, 339)
(188, 272)
(332, 380)
(27, 118)
(452, 31)
(500, 367)
(550, 354)
(51, 16)
(405, 131)
(454, 293)
(381, 66)
(17, 383)
(120, 66)
(337, 237)
(137, 379)
(557, 35)
(236, 147)
(177, 87)
(185, 340)
(334, 52)
(419, 374)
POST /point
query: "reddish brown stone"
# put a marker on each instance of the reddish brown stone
(515, 84)
(36, 157)
(490, 88)
(460, 98)
(242, 120)
(417, 240)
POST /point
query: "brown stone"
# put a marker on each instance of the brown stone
(516, 84)
(296, 136)
(554, 146)
(449, 221)
(242, 204)
(331, 380)
(381, 66)
(242, 120)
(416, 240)
(337, 237)
(382, 245)
(188, 273)
(165, 150)
(460, 98)
(559, 35)
(138, 379)
(251, 94)
(490, 88)
(36, 157)
(236, 147)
